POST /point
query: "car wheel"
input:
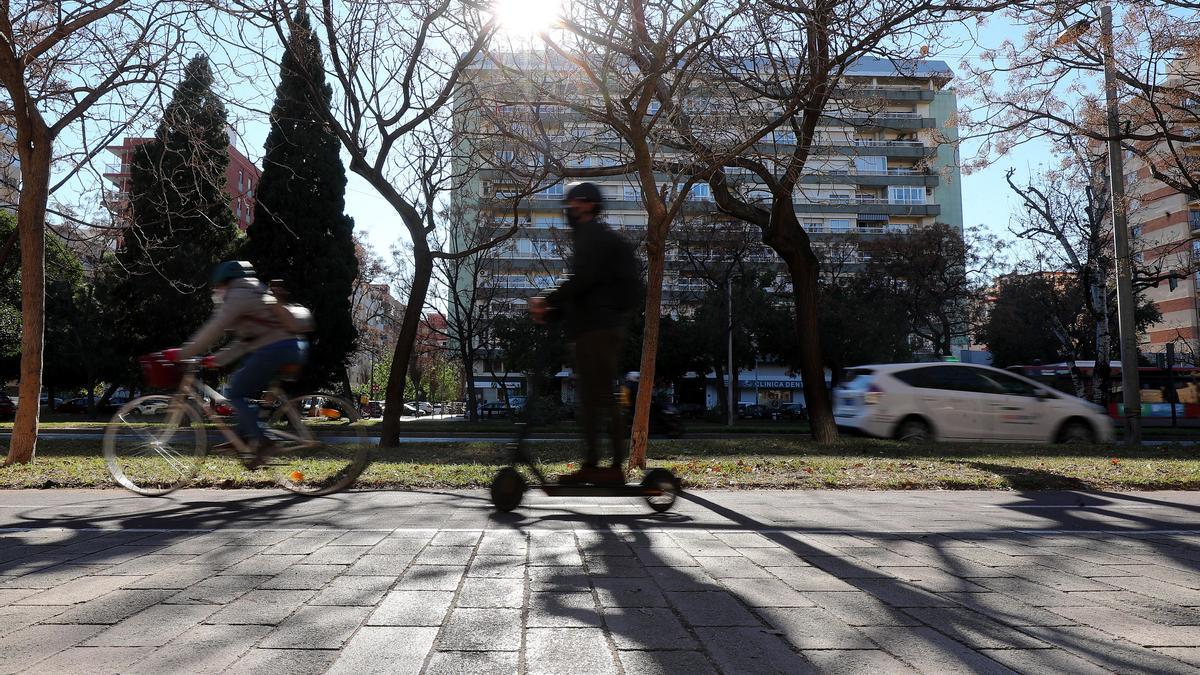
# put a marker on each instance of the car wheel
(1076, 432)
(914, 430)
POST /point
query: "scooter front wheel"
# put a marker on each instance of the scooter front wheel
(508, 487)
(662, 488)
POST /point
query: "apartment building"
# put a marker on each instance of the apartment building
(376, 314)
(10, 169)
(241, 179)
(885, 169)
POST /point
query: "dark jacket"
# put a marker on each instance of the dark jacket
(604, 283)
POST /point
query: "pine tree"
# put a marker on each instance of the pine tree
(300, 232)
(182, 225)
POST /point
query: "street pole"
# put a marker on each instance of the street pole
(1130, 388)
(729, 344)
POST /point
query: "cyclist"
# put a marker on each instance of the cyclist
(243, 305)
(604, 285)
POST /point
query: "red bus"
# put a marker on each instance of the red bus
(1160, 388)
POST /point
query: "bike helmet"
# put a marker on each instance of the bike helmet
(587, 192)
(231, 269)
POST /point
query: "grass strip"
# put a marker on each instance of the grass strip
(726, 464)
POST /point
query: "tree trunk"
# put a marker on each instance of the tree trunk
(394, 400)
(1098, 298)
(464, 356)
(656, 257)
(785, 236)
(722, 394)
(33, 146)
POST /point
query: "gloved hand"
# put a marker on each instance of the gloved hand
(209, 362)
(171, 355)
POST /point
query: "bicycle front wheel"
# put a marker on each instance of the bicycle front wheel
(154, 445)
(320, 445)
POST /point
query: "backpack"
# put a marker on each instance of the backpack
(293, 317)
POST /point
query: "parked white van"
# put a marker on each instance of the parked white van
(959, 401)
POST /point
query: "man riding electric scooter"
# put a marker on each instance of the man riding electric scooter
(603, 286)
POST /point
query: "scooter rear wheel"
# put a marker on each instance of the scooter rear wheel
(508, 487)
(666, 488)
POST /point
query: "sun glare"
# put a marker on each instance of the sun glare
(527, 17)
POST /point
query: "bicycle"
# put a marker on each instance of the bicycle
(157, 444)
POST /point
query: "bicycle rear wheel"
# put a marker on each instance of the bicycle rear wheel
(320, 445)
(154, 445)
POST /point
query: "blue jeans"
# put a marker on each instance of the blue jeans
(257, 371)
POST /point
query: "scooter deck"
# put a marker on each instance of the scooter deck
(627, 490)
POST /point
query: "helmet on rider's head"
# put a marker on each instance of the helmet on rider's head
(232, 269)
(585, 191)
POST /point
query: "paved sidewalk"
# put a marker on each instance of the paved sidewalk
(843, 582)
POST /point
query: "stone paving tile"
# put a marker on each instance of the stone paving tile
(269, 565)
(115, 555)
(562, 579)
(152, 627)
(581, 651)
(1105, 650)
(217, 590)
(480, 592)
(11, 595)
(844, 567)
(497, 567)
(705, 548)
(744, 540)
(304, 577)
(733, 568)
(75, 591)
(481, 630)
(665, 663)
(147, 564)
(562, 610)
(857, 608)
(613, 566)
(751, 650)
(667, 557)
(444, 555)
(1135, 629)
(1187, 579)
(360, 538)
(934, 580)
(386, 650)
(1033, 594)
(1008, 611)
(473, 663)
(453, 538)
(16, 617)
(555, 557)
(1189, 655)
(298, 545)
(855, 662)
(974, 629)
(931, 652)
(766, 593)
(48, 577)
(613, 592)
(175, 577)
(375, 565)
(412, 608)
(94, 660)
(261, 607)
(1060, 580)
(26, 647)
(202, 649)
(333, 555)
(711, 608)
(111, 607)
(399, 546)
(316, 628)
(899, 593)
(774, 557)
(814, 628)
(1043, 661)
(283, 662)
(502, 543)
(806, 579)
(1080, 568)
(354, 591)
(431, 578)
(1152, 609)
(647, 628)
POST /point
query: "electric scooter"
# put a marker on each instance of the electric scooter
(659, 486)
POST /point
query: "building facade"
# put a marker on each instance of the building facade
(241, 180)
(376, 314)
(10, 169)
(890, 170)
(1165, 229)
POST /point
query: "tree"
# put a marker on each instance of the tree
(1030, 319)
(862, 320)
(157, 289)
(300, 233)
(85, 67)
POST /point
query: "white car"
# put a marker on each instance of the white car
(151, 407)
(959, 401)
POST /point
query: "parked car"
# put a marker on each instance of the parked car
(411, 410)
(7, 407)
(959, 401)
(74, 406)
(501, 409)
(791, 411)
(153, 407)
(52, 403)
(373, 409)
(754, 411)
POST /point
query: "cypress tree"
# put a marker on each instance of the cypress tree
(300, 232)
(182, 225)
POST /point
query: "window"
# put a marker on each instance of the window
(504, 156)
(839, 225)
(1135, 232)
(1007, 384)
(906, 195)
(631, 194)
(552, 192)
(870, 164)
(839, 197)
(241, 178)
(1194, 219)
(946, 378)
(785, 137)
(701, 192)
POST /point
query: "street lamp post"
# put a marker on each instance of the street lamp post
(729, 345)
(1131, 393)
